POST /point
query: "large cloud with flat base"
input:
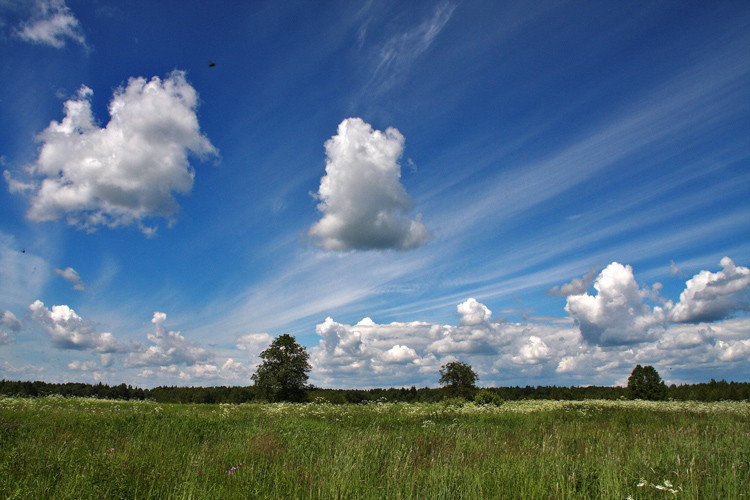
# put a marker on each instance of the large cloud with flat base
(712, 297)
(617, 314)
(364, 204)
(127, 172)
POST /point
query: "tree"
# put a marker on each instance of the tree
(283, 373)
(645, 383)
(459, 379)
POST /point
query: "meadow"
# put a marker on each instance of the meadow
(51, 447)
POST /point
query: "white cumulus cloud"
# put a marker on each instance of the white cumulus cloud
(617, 314)
(712, 297)
(52, 23)
(363, 202)
(473, 313)
(533, 351)
(399, 354)
(69, 331)
(127, 172)
(169, 348)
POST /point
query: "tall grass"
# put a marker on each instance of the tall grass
(83, 448)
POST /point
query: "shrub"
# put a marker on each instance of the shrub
(485, 397)
(456, 401)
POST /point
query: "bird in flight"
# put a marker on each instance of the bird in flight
(211, 64)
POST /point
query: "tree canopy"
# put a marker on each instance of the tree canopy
(645, 383)
(459, 379)
(283, 373)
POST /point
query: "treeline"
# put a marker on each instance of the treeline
(711, 391)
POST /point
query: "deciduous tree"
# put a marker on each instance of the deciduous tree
(459, 379)
(645, 383)
(283, 373)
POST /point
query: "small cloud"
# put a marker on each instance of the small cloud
(69, 274)
(399, 354)
(169, 348)
(8, 323)
(83, 367)
(576, 287)
(674, 270)
(52, 23)
(363, 202)
(254, 343)
(67, 330)
(9, 320)
(16, 186)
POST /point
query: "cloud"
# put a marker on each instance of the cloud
(674, 270)
(127, 172)
(230, 370)
(399, 354)
(607, 334)
(200, 371)
(363, 202)
(70, 274)
(712, 297)
(617, 315)
(533, 352)
(14, 185)
(410, 351)
(83, 367)
(254, 343)
(578, 286)
(52, 23)
(473, 313)
(169, 348)
(8, 323)
(27, 371)
(69, 331)
(399, 52)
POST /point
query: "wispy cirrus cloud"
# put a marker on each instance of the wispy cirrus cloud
(394, 57)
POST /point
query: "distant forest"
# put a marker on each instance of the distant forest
(711, 391)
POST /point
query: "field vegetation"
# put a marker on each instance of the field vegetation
(52, 447)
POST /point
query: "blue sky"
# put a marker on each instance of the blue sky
(551, 192)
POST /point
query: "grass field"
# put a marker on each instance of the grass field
(85, 448)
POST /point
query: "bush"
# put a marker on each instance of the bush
(459, 402)
(485, 397)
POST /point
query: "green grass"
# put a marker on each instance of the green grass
(84, 448)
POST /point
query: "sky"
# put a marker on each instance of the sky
(551, 192)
